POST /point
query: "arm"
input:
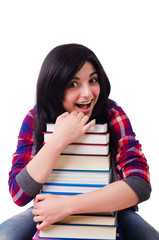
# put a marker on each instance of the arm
(130, 162)
(30, 170)
(51, 208)
(24, 153)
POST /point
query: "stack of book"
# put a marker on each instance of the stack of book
(83, 166)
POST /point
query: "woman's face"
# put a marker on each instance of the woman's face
(82, 91)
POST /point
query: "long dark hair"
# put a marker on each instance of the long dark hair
(58, 68)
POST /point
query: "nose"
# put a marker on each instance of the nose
(86, 91)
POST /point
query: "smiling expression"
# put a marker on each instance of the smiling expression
(82, 91)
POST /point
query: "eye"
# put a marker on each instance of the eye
(93, 80)
(72, 84)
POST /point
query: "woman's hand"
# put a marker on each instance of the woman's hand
(68, 128)
(71, 126)
(48, 209)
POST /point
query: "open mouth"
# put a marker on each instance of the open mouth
(84, 105)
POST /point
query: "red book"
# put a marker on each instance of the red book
(86, 149)
(87, 138)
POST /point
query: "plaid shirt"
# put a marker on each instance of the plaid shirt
(129, 157)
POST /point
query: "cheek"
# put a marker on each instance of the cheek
(69, 99)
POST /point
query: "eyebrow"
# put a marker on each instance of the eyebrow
(93, 73)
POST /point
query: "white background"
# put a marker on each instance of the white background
(124, 36)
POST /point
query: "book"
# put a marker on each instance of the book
(97, 128)
(86, 219)
(86, 149)
(79, 178)
(89, 138)
(68, 190)
(78, 232)
(118, 236)
(83, 162)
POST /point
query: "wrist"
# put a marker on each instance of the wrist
(70, 205)
(54, 142)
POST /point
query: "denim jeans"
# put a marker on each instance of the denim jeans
(18, 227)
(22, 227)
(134, 227)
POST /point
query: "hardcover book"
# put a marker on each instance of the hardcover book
(83, 162)
(97, 128)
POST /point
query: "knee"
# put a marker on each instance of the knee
(4, 236)
(10, 236)
(135, 227)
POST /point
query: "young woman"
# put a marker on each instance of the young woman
(73, 91)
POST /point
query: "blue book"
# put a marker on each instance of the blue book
(58, 231)
(79, 178)
(64, 189)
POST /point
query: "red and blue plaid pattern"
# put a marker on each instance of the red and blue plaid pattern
(129, 157)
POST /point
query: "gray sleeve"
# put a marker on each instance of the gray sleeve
(139, 186)
(27, 183)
